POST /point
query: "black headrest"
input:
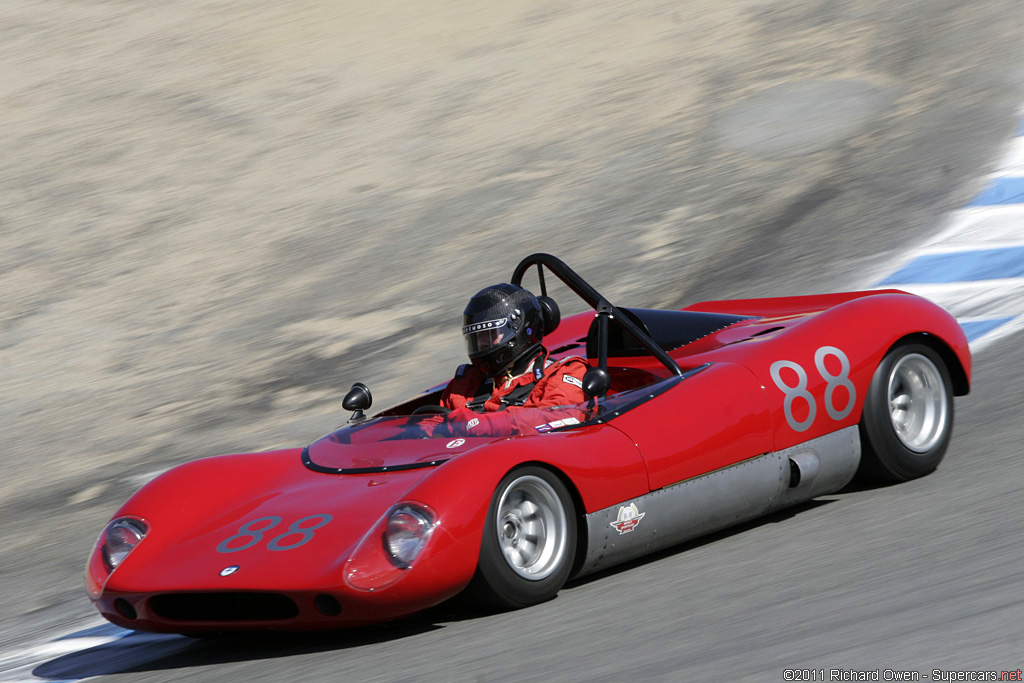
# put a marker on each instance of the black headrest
(668, 329)
(619, 341)
(550, 313)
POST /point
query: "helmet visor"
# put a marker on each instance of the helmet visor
(483, 336)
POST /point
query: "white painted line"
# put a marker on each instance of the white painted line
(974, 300)
(980, 223)
(959, 248)
(953, 287)
(1012, 163)
(984, 225)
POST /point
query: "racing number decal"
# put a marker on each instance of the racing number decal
(798, 391)
(833, 381)
(250, 531)
(247, 531)
(296, 529)
(793, 393)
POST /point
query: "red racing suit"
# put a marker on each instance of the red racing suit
(505, 411)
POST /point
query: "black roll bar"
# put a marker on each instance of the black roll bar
(605, 310)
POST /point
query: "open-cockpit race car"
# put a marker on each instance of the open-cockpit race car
(695, 420)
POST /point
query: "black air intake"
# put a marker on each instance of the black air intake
(224, 607)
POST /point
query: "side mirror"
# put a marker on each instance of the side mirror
(596, 382)
(357, 400)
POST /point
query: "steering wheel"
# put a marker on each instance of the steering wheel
(430, 408)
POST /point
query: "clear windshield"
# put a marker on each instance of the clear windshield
(391, 441)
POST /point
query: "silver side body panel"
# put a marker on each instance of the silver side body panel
(720, 499)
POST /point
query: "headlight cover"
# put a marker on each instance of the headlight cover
(121, 536)
(391, 546)
(408, 530)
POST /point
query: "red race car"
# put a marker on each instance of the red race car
(697, 419)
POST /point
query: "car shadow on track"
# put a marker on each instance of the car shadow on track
(135, 651)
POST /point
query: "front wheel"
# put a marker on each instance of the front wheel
(908, 415)
(529, 540)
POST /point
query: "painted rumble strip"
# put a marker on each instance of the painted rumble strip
(962, 266)
(975, 267)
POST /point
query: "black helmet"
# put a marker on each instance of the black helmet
(502, 324)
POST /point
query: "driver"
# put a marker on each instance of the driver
(509, 368)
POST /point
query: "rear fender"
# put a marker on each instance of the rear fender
(957, 360)
(848, 342)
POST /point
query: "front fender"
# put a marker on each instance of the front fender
(599, 462)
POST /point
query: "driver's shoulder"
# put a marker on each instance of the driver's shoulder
(468, 373)
(572, 367)
(466, 382)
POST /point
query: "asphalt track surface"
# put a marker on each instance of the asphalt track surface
(922, 576)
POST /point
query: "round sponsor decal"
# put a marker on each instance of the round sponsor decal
(228, 571)
(455, 443)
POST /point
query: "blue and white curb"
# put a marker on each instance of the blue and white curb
(975, 267)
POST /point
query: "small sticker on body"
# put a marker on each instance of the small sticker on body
(567, 422)
(628, 519)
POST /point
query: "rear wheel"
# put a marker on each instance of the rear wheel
(529, 540)
(908, 415)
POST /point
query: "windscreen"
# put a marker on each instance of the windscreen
(395, 442)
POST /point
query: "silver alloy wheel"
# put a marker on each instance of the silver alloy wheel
(532, 527)
(918, 406)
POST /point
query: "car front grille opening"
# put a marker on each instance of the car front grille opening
(224, 607)
(328, 605)
(125, 609)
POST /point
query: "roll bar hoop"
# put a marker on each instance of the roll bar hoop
(605, 310)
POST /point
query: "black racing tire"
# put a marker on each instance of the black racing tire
(907, 420)
(529, 541)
